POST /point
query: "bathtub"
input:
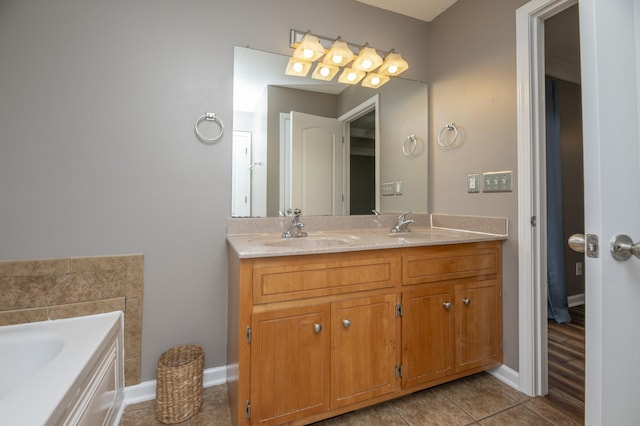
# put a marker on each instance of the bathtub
(63, 372)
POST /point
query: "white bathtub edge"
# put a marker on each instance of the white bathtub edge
(146, 391)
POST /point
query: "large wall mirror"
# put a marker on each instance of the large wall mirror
(325, 148)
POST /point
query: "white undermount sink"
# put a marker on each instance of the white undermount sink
(311, 241)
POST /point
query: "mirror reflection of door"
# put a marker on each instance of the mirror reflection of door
(241, 181)
(362, 165)
(316, 165)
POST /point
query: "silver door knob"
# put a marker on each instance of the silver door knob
(317, 327)
(577, 242)
(623, 247)
(346, 323)
(447, 305)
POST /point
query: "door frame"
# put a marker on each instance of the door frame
(371, 104)
(532, 294)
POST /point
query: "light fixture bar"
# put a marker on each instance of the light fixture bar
(354, 62)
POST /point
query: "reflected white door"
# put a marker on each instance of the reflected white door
(316, 164)
(241, 181)
(610, 83)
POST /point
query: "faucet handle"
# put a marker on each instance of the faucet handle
(297, 211)
(403, 216)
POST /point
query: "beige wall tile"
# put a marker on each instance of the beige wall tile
(20, 268)
(86, 308)
(133, 328)
(132, 371)
(86, 286)
(99, 263)
(24, 292)
(23, 316)
(134, 283)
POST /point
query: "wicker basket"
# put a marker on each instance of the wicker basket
(179, 384)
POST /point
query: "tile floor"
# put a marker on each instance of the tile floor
(477, 400)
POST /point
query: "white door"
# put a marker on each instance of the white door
(610, 83)
(316, 164)
(241, 181)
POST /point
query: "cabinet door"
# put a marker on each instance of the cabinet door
(290, 352)
(478, 324)
(427, 334)
(364, 350)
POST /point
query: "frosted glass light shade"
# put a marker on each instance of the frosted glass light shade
(393, 65)
(298, 67)
(367, 60)
(309, 49)
(351, 76)
(339, 54)
(374, 80)
(325, 72)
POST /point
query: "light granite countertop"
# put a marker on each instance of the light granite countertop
(251, 238)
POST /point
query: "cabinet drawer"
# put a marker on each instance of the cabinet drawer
(300, 277)
(431, 264)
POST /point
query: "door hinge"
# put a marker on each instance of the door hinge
(247, 409)
(399, 310)
(398, 370)
(248, 334)
(533, 221)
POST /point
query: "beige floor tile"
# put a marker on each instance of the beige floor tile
(544, 409)
(480, 395)
(518, 415)
(430, 407)
(378, 415)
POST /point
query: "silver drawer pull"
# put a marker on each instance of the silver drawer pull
(346, 323)
(317, 328)
(466, 301)
(447, 305)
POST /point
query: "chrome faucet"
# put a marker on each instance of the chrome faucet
(295, 230)
(403, 223)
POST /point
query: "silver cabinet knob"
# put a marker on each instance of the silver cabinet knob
(466, 301)
(317, 328)
(447, 305)
(346, 323)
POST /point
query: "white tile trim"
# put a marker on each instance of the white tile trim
(507, 376)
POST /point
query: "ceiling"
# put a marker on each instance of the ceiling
(425, 10)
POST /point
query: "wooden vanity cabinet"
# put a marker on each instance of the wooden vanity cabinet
(314, 336)
(452, 311)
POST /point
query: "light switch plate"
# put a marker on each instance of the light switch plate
(388, 188)
(473, 183)
(497, 181)
(398, 188)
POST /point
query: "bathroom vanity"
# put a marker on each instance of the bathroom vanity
(341, 320)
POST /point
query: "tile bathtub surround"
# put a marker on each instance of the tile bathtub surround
(48, 289)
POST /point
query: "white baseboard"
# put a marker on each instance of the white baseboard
(146, 391)
(507, 376)
(575, 300)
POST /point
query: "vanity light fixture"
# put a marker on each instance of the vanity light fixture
(298, 67)
(393, 64)
(336, 54)
(367, 60)
(325, 71)
(309, 49)
(351, 76)
(339, 54)
(374, 80)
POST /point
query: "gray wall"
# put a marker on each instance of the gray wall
(472, 77)
(97, 150)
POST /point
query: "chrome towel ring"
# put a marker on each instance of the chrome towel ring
(409, 145)
(448, 128)
(209, 116)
